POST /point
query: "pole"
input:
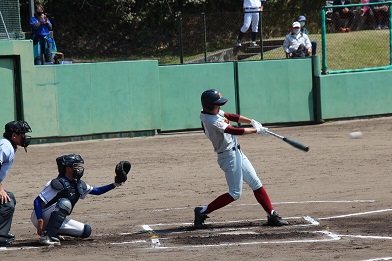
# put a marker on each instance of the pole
(261, 35)
(323, 42)
(179, 17)
(205, 36)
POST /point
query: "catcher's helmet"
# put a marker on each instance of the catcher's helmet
(301, 18)
(71, 160)
(212, 97)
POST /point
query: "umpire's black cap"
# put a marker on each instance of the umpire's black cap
(17, 127)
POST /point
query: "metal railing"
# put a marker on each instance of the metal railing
(212, 38)
(361, 49)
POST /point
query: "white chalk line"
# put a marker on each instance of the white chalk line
(16, 248)
(357, 214)
(378, 259)
(332, 237)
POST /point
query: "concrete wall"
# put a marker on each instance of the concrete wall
(123, 98)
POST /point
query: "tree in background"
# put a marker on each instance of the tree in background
(117, 27)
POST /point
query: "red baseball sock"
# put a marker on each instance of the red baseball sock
(263, 198)
(219, 202)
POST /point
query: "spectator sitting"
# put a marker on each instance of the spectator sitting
(367, 14)
(381, 14)
(302, 21)
(343, 13)
(297, 44)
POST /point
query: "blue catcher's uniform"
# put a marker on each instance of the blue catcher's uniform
(62, 193)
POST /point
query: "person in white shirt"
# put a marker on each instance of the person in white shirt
(251, 17)
(297, 44)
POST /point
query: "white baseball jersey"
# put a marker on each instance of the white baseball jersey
(231, 160)
(69, 227)
(252, 3)
(214, 127)
(7, 154)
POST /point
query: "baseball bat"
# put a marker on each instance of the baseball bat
(292, 142)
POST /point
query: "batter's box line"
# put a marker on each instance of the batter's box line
(357, 214)
(331, 237)
(306, 218)
(379, 259)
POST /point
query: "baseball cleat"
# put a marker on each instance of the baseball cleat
(49, 241)
(275, 220)
(238, 44)
(9, 236)
(4, 242)
(199, 218)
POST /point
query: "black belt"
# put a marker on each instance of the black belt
(234, 148)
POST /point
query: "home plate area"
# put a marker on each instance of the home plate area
(301, 229)
(370, 225)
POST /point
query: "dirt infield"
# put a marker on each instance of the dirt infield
(337, 197)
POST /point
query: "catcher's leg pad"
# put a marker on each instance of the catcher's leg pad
(62, 210)
(86, 231)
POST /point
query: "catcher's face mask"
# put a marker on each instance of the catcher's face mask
(78, 170)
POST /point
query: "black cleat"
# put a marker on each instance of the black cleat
(199, 218)
(275, 220)
(4, 242)
(10, 236)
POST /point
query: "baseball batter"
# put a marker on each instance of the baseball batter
(251, 17)
(237, 167)
(59, 196)
(14, 136)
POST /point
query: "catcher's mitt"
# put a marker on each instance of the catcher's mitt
(122, 169)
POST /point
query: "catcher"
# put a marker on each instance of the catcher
(59, 196)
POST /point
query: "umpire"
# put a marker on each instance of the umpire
(14, 135)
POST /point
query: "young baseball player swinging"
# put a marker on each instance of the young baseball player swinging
(237, 167)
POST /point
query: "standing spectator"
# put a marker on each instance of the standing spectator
(297, 44)
(231, 159)
(381, 14)
(343, 13)
(302, 21)
(42, 42)
(14, 136)
(251, 17)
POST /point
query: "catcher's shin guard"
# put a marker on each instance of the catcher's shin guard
(62, 210)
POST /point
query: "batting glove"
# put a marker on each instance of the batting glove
(255, 124)
(261, 129)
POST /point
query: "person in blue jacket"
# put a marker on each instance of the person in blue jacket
(42, 42)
